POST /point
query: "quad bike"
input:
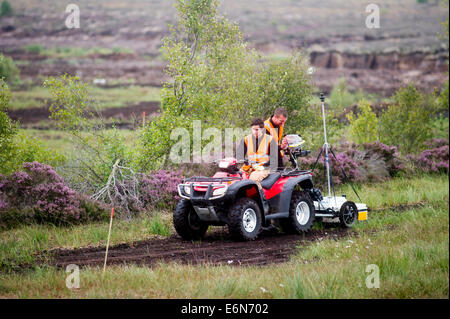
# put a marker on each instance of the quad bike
(288, 197)
(231, 198)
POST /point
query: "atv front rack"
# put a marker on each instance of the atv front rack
(203, 179)
(198, 195)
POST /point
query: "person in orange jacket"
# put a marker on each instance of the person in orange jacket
(274, 126)
(257, 147)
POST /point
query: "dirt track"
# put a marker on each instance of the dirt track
(216, 248)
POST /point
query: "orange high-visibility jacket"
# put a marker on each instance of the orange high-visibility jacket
(273, 130)
(261, 155)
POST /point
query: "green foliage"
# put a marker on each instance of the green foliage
(341, 97)
(407, 123)
(29, 149)
(96, 148)
(158, 227)
(8, 70)
(6, 9)
(34, 48)
(5, 95)
(443, 97)
(364, 128)
(8, 129)
(286, 83)
(17, 147)
(219, 80)
(212, 67)
(441, 127)
(154, 140)
(313, 135)
(70, 107)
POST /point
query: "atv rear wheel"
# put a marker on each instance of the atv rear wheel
(244, 219)
(187, 223)
(301, 214)
(348, 214)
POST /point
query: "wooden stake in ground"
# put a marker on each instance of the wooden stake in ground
(109, 236)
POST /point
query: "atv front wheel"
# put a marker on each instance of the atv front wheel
(301, 214)
(348, 214)
(244, 219)
(187, 223)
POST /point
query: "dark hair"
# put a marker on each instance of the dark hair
(280, 111)
(257, 121)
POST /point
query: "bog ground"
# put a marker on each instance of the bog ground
(117, 88)
(406, 236)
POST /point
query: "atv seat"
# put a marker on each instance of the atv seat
(271, 179)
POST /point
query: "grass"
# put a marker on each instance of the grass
(62, 142)
(18, 246)
(410, 247)
(404, 190)
(38, 96)
(71, 52)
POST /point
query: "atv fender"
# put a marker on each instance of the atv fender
(245, 188)
(238, 187)
(304, 181)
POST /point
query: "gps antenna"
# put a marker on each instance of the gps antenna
(325, 145)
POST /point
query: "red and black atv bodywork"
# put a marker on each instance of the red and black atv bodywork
(231, 198)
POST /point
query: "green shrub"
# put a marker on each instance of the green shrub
(8, 129)
(364, 128)
(97, 148)
(220, 81)
(340, 97)
(407, 123)
(8, 70)
(6, 9)
(440, 127)
(286, 83)
(443, 97)
(29, 149)
(34, 48)
(17, 147)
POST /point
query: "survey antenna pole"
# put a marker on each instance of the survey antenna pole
(325, 145)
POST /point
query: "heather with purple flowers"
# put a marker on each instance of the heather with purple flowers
(159, 189)
(435, 160)
(342, 161)
(371, 162)
(42, 173)
(38, 193)
(57, 203)
(389, 154)
(436, 143)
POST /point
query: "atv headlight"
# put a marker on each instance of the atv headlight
(187, 190)
(219, 191)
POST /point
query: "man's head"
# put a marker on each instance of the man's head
(257, 127)
(279, 116)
